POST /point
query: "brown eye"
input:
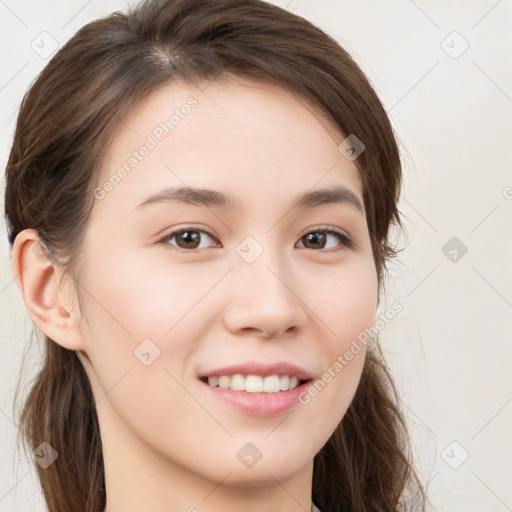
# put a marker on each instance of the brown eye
(318, 239)
(187, 239)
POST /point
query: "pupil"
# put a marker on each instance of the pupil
(190, 235)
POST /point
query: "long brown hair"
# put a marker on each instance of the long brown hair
(64, 126)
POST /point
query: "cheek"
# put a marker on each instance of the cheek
(349, 304)
(347, 308)
(141, 332)
(144, 297)
(136, 371)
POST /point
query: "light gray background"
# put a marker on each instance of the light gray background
(450, 348)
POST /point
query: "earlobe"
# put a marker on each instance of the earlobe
(37, 279)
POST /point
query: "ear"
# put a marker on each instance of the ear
(48, 302)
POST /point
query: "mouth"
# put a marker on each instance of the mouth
(255, 383)
(255, 395)
(257, 388)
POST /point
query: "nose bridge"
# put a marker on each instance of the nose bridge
(262, 296)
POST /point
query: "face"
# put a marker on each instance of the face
(178, 287)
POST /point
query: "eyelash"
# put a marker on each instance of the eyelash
(345, 240)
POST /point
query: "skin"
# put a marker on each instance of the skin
(168, 444)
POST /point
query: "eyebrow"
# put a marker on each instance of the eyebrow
(216, 199)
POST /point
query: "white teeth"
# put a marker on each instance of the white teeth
(224, 381)
(271, 384)
(237, 382)
(254, 383)
(213, 381)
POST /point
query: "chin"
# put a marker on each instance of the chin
(275, 464)
(264, 476)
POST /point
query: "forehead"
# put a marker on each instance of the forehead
(228, 134)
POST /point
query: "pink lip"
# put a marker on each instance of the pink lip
(259, 404)
(264, 370)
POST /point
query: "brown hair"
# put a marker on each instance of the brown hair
(65, 124)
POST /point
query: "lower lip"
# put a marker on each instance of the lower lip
(260, 404)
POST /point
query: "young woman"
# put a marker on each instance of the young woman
(198, 197)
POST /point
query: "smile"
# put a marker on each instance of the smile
(254, 383)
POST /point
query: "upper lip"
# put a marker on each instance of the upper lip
(256, 368)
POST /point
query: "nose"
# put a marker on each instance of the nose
(264, 299)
